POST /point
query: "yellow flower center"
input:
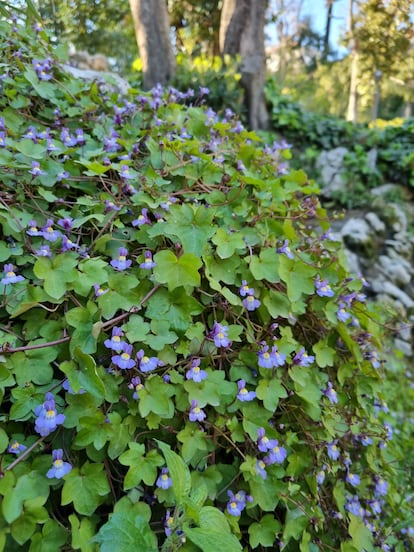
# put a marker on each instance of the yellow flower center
(122, 258)
(15, 445)
(50, 414)
(10, 274)
(125, 356)
(58, 463)
(116, 338)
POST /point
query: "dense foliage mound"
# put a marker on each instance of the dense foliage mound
(186, 363)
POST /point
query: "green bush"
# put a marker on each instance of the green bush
(185, 363)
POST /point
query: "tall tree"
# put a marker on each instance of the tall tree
(152, 31)
(329, 15)
(242, 33)
(379, 37)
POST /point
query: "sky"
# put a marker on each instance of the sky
(317, 10)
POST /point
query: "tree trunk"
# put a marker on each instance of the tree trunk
(352, 111)
(242, 32)
(327, 30)
(152, 31)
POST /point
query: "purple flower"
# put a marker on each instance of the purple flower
(264, 444)
(196, 413)
(42, 66)
(2, 139)
(99, 291)
(148, 262)
(302, 358)
(169, 522)
(80, 137)
(331, 394)
(245, 289)
(68, 244)
(354, 506)
(136, 385)
(366, 441)
(147, 364)
(59, 468)
(121, 263)
(142, 219)
(323, 289)
(251, 303)
(381, 487)
(49, 233)
(261, 468)
(270, 360)
(67, 138)
(353, 479)
(33, 230)
(285, 249)
(36, 170)
(43, 251)
(220, 335)
(10, 276)
(31, 134)
(276, 455)
(124, 360)
(243, 394)
(66, 223)
(333, 451)
(164, 480)
(195, 373)
(342, 314)
(320, 476)
(47, 417)
(115, 342)
(110, 206)
(16, 448)
(237, 502)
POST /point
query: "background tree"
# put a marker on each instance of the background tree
(242, 33)
(152, 30)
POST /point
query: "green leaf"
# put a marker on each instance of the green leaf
(264, 532)
(298, 277)
(124, 532)
(228, 242)
(86, 488)
(179, 472)
(57, 273)
(30, 486)
(83, 531)
(177, 271)
(324, 355)
(265, 267)
(142, 467)
(30, 149)
(211, 541)
(361, 535)
(270, 391)
(88, 377)
(295, 523)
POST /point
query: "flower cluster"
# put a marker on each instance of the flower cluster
(249, 302)
(275, 454)
(219, 334)
(271, 359)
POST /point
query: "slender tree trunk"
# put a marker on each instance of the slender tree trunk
(377, 97)
(242, 32)
(327, 30)
(352, 111)
(152, 31)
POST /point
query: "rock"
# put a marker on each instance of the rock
(393, 291)
(375, 222)
(403, 346)
(330, 165)
(372, 159)
(356, 232)
(111, 80)
(397, 269)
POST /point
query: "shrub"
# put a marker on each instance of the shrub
(185, 363)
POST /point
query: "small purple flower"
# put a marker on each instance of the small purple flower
(353, 479)
(147, 364)
(47, 417)
(195, 373)
(245, 289)
(196, 414)
(148, 262)
(169, 522)
(80, 137)
(237, 502)
(124, 360)
(67, 138)
(341, 313)
(31, 134)
(381, 487)
(16, 448)
(125, 173)
(250, 303)
(110, 206)
(323, 289)
(36, 170)
(136, 385)
(285, 249)
(142, 219)
(302, 358)
(320, 476)
(121, 263)
(366, 441)
(10, 276)
(2, 139)
(66, 223)
(354, 507)
(43, 251)
(220, 335)
(68, 244)
(115, 342)
(276, 455)
(164, 480)
(59, 468)
(243, 394)
(99, 291)
(261, 469)
(333, 451)
(331, 394)
(49, 233)
(270, 360)
(264, 444)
